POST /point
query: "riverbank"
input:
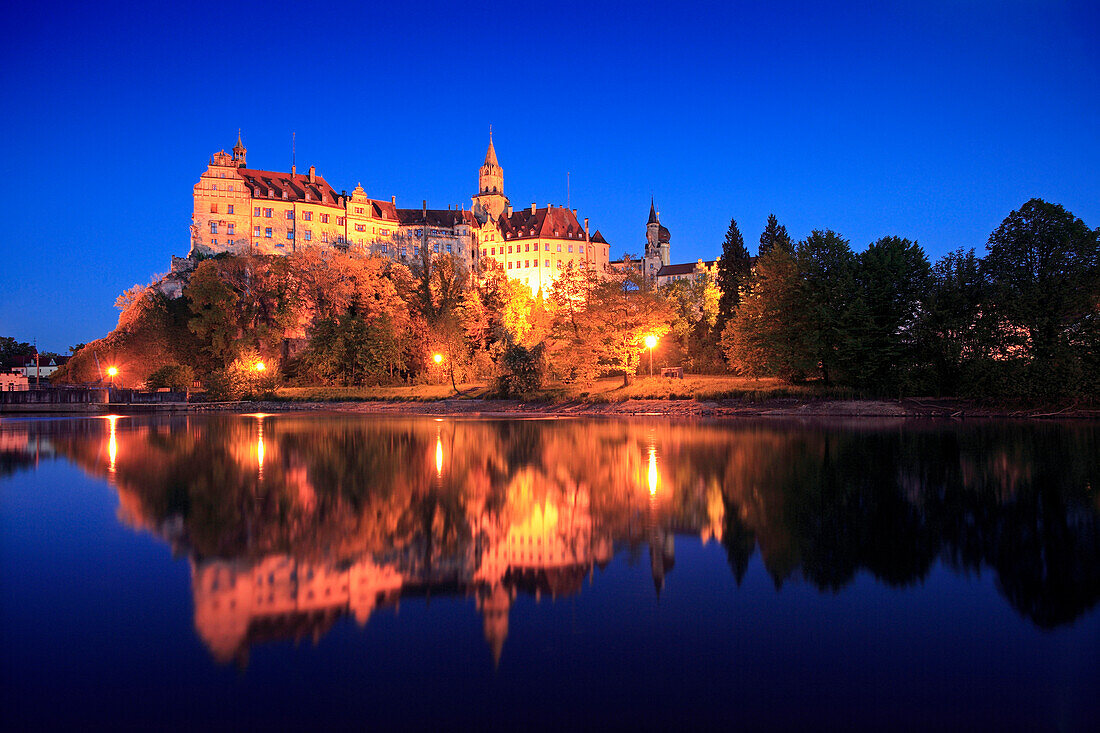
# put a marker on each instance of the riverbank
(685, 408)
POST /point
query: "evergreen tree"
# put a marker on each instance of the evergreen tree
(774, 235)
(733, 267)
(893, 276)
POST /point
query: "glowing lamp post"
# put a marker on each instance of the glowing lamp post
(437, 358)
(259, 366)
(112, 372)
(650, 343)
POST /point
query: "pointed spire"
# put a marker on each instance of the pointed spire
(652, 212)
(491, 153)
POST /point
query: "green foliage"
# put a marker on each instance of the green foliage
(241, 379)
(893, 276)
(10, 349)
(1043, 269)
(522, 371)
(176, 377)
(774, 235)
(733, 268)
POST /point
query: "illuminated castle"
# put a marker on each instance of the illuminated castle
(239, 209)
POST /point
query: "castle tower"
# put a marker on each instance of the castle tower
(490, 200)
(239, 151)
(656, 244)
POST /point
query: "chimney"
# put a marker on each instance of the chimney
(508, 210)
(425, 210)
(313, 174)
(532, 208)
(393, 200)
(586, 228)
(293, 169)
(574, 213)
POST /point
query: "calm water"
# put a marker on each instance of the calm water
(264, 572)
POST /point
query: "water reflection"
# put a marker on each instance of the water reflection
(291, 522)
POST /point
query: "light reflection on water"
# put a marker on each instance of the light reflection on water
(290, 523)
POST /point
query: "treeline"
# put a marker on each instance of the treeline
(1021, 322)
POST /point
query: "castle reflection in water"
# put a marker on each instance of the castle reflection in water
(290, 522)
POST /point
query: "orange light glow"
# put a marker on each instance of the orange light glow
(112, 372)
(654, 477)
(437, 358)
(259, 366)
(260, 445)
(438, 457)
(650, 342)
(112, 444)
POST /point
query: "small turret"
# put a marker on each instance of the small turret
(239, 151)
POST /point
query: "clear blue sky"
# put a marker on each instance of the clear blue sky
(929, 120)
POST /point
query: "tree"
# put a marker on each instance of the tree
(619, 315)
(10, 349)
(1044, 276)
(733, 267)
(893, 276)
(176, 377)
(834, 313)
(951, 333)
(774, 235)
(768, 334)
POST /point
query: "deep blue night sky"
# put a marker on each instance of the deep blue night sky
(931, 121)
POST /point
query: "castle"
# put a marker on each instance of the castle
(238, 209)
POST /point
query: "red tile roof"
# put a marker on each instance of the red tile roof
(272, 184)
(552, 222)
(443, 218)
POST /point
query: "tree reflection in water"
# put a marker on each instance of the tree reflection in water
(292, 521)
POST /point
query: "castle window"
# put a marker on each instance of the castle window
(528, 247)
(324, 237)
(213, 208)
(547, 263)
(290, 215)
(358, 209)
(509, 249)
(570, 248)
(384, 232)
(494, 250)
(229, 228)
(324, 218)
(229, 208)
(268, 213)
(267, 233)
(309, 235)
(215, 187)
(547, 246)
(559, 246)
(290, 234)
(527, 263)
(307, 215)
(360, 228)
(255, 231)
(509, 265)
(436, 248)
(213, 227)
(256, 211)
(484, 251)
(582, 249)
(340, 221)
(559, 264)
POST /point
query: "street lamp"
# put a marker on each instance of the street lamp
(437, 358)
(650, 343)
(259, 366)
(112, 372)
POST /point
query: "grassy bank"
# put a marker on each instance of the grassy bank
(698, 387)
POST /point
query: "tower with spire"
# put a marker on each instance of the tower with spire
(239, 151)
(490, 200)
(656, 243)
